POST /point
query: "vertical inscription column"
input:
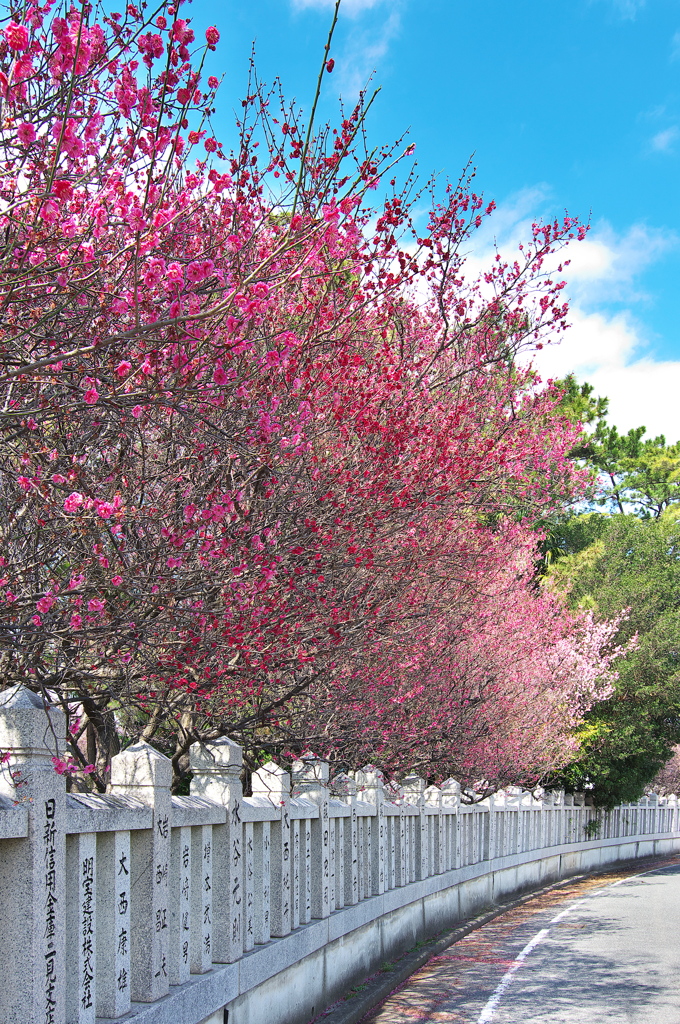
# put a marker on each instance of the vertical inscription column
(339, 861)
(81, 860)
(113, 924)
(491, 832)
(306, 869)
(310, 781)
(345, 789)
(436, 847)
(393, 828)
(450, 797)
(262, 872)
(273, 782)
(180, 916)
(141, 772)
(414, 790)
(32, 870)
(216, 771)
(249, 885)
(201, 899)
(371, 784)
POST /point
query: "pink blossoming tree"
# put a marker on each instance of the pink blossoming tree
(269, 463)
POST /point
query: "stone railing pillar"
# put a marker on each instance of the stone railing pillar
(216, 777)
(310, 777)
(32, 871)
(145, 774)
(273, 782)
(414, 792)
(436, 862)
(345, 789)
(450, 797)
(491, 833)
(371, 784)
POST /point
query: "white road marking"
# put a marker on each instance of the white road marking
(489, 1010)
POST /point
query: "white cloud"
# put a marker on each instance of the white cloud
(609, 352)
(628, 8)
(608, 347)
(604, 266)
(366, 43)
(663, 141)
(675, 46)
(363, 52)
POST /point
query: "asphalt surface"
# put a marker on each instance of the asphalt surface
(604, 949)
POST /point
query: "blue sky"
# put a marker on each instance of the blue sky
(565, 104)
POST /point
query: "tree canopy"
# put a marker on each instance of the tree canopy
(263, 440)
(625, 560)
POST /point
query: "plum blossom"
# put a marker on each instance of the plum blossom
(74, 501)
(104, 509)
(26, 133)
(16, 36)
(199, 270)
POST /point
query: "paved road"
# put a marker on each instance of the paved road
(603, 950)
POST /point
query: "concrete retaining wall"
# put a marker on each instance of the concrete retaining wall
(311, 982)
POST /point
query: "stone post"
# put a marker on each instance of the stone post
(273, 782)
(310, 781)
(113, 918)
(414, 790)
(491, 833)
(81, 900)
(450, 797)
(371, 782)
(436, 864)
(180, 917)
(216, 771)
(653, 802)
(345, 789)
(32, 870)
(145, 774)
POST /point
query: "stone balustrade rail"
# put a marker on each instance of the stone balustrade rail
(112, 903)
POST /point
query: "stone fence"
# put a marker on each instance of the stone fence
(217, 907)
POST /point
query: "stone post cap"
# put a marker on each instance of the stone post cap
(25, 728)
(344, 787)
(450, 790)
(370, 783)
(19, 696)
(433, 796)
(272, 781)
(414, 789)
(310, 768)
(393, 792)
(217, 757)
(141, 766)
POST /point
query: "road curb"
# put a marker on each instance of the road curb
(378, 987)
